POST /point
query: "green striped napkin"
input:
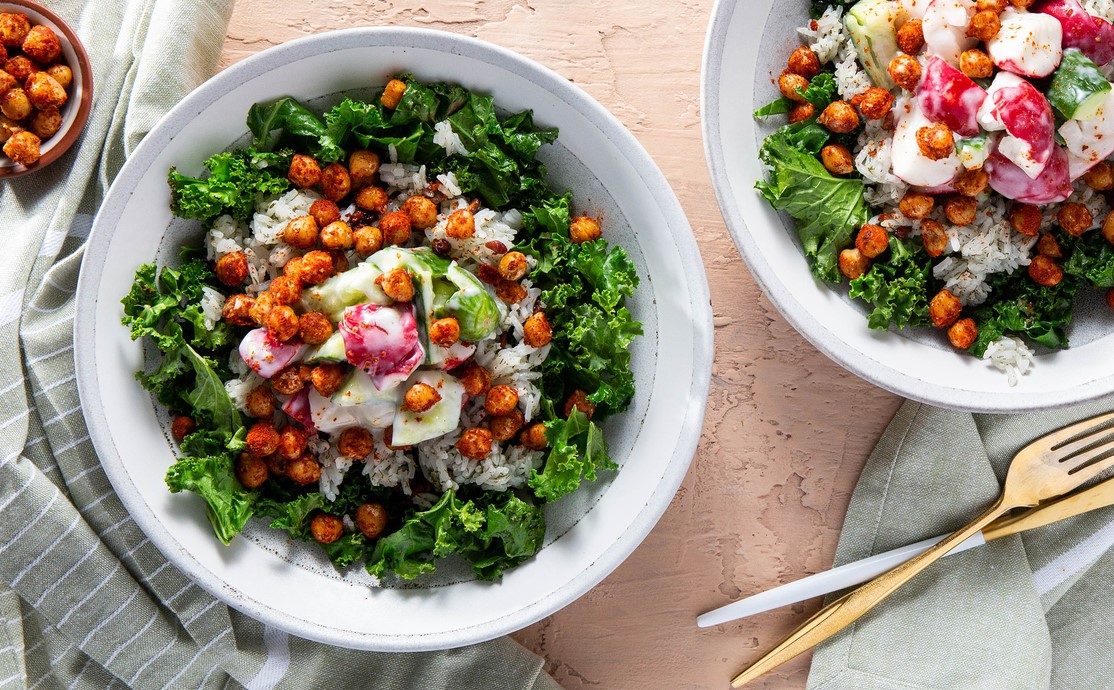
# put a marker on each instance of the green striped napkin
(85, 598)
(1024, 612)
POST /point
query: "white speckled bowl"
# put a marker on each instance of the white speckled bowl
(590, 532)
(746, 48)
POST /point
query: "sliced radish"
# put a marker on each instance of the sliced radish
(949, 96)
(1029, 43)
(1053, 185)
(1027, 117)
(1092, 35)
(383, 341)
(267, 355)
(908, 162)
(298, 407)
(945, 28)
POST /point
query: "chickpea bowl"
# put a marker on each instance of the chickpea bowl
(414, 380)
(897, 234)
(46, 87)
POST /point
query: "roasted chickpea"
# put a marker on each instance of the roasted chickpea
(372, 519)
(282, 322)
(984, 25)
(336, 183)
(323, 212)
(853, 264)
(972, 182)
(1075, 218)
(372, 199)
(316, 267)
(933, 237)
(276, 466)
(261, 308)
(963, 333)
(501, 400)
(392, 93)
(232, 269)
(422, 212)
(792, 86)
(837, 159)
(839, 117)
(995, 5)
(397, 284)
(182, 426)
(584, 229)
(421, 397)
(292, 442)
(905, 70)
(872, 240)
(251, 471)
(504, 427)
(1048, 246)
(15, 104)
(444, 332)
(300, 232)
(461, 224)
(960, 210)
(1107, 231)
(288, 381)
(910, 37)
(876, 103)
(336, 235)
(45, 123)
(976, 64)
(42, 45)
(936, 142)
(534, 436)
(262, 439)
(579, 400)
(326, 378)
(801, 112)
(13, 29)
(62, 74)
(944, 309)
(21, 67)
(536, 331)
(260, 402)
(475, 444)
(488, 274)
(362, 166)
(285, 290)
(356, 442)
(395, 227)
(304, 171)
(1044, 271)
(293, 268)
(804, 62)
(513, 266)
(304, 470)
(8, 127)
(1025, 219)
(237, 310)
(1100, 177)
(314, 327)
(916, 206)
(368, 240)
(326, 528)
(510, 291)
(7, 82)
(475, 379)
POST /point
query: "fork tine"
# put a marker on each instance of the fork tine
(1067, 453)
(1099, 457)
(1076, 433)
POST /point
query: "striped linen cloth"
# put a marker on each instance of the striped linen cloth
(86, 601)
(1025, 612)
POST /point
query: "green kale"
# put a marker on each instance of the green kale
(347, 550)
(293, 515)
(287, 121)
(235, 179)
(228, 504)
(1089, 258)
(896, 287)
(828, 209)
(778, 106)
(821, 90)
(1018, 306)
(577, 450)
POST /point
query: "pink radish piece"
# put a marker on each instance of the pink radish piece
(949, 96)
(1010, 181)
(267, 355)
(383, 341)
(908, 162)
(1090, 141)
(1027, 116)
(1028, 44)
(299, 410)
(1092, 35)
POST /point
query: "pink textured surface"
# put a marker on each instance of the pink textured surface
(787, 430)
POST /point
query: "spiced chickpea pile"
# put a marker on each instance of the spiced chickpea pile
(34, 86)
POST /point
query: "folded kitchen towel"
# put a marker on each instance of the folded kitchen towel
(1026, 612)
(85, 598)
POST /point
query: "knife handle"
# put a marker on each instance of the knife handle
(826, 582)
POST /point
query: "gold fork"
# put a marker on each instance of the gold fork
(1051, 466)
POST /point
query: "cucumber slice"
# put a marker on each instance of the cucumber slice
(871, 25)
(415, 427)
(973, 151)
(332, 350)
(473, 306)
(354, 286)
(1078, 87)
(362, 401)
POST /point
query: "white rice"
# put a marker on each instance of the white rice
(239, 388)
(1010, 356)
(446, 138)
(1100, 8)
(828, 36)
(504, 468)
(212, 302)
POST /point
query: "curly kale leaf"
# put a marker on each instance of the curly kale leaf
(896, 287)
(227, 504)
(1018, 306)
(577, 450)
(1089, 258)
(234, 181)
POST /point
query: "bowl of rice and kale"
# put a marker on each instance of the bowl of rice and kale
(396, 344)
(943, 167)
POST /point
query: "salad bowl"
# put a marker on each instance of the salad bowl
(745, 52)
(589, 532)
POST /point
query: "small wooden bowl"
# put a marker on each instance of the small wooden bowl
(75, 113)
